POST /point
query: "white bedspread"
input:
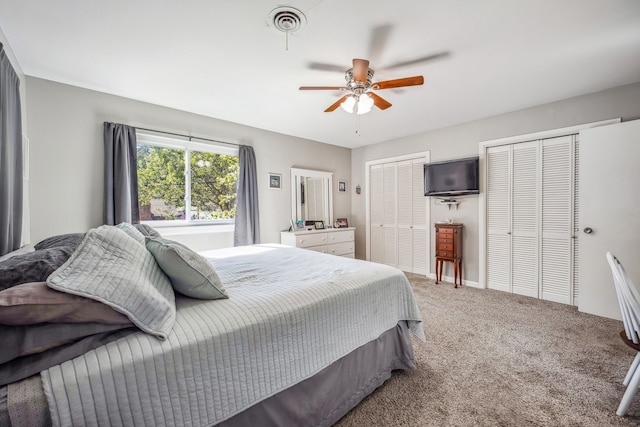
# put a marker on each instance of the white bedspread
(291, 312)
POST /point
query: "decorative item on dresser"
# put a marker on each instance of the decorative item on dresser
(449, 248)
(330, 241)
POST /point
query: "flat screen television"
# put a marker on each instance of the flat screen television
(452, 177)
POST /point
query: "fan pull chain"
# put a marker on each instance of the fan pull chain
(286, 45)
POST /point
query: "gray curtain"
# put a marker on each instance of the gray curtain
(247, 230)
(120, 174)
(10, 157)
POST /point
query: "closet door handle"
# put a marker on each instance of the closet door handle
(588, 230)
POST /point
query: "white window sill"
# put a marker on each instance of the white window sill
(173, 230)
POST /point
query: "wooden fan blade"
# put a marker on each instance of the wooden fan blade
(336, 104)
(379, 102)
(321, 87)
(360, 70)
(407, 81)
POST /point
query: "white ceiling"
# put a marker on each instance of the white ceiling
(223, 59)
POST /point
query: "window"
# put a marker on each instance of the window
(182, 181)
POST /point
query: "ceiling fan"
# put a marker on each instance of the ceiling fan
(361, 96)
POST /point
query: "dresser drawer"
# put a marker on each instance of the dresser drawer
(321, 248)
(445, 231)
(444, 254)
(341, 236)
(446, 239)
(307, 240)
(341, 248)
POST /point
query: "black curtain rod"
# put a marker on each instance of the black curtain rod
(189, 136)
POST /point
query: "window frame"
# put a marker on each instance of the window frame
(187, 145)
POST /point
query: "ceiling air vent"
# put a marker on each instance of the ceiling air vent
(287, 19)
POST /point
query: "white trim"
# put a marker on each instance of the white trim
(550, 133)
(179, 142)
(448, 280)
(414, 156)
(295, 195)
(482, 202)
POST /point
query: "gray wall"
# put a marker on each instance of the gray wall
(463, 141)
(65, 128)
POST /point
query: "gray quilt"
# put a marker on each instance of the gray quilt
(290, 313)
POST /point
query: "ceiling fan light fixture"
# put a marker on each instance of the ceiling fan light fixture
(363, 104)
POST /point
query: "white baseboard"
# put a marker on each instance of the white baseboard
(469, 283)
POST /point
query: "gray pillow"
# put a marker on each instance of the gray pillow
(33, 266)
(25, 366)
(147, 230)
(190, 273)
(31, 339)
(71, 240)
(31, 303)
(111, 267)
(23, 250)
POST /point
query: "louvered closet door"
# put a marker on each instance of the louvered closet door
(576, 224)
(376, 206)
(405, 216)
(498, 200)
(524, 218)
(389, 194)
(557, 214)
(419, 218)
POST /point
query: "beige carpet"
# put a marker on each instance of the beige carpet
(496, 359)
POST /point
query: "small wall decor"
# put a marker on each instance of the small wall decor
(358, 189)
(342, 186)
(275, 181)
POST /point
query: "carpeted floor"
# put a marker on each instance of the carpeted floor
(497, 359)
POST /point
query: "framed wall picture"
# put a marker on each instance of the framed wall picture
(275, 181)
(342, 186)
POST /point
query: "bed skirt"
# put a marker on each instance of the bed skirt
(327, 396)
(320, 400)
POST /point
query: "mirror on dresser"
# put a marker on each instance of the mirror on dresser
(312, 196)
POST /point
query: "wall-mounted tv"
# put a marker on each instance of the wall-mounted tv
(452, 177)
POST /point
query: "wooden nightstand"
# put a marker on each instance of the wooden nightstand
(449, 248)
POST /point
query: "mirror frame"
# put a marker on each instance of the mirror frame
(296, 173)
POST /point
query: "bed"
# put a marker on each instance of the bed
(301, 338)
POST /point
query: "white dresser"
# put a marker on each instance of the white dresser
(335, 241)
